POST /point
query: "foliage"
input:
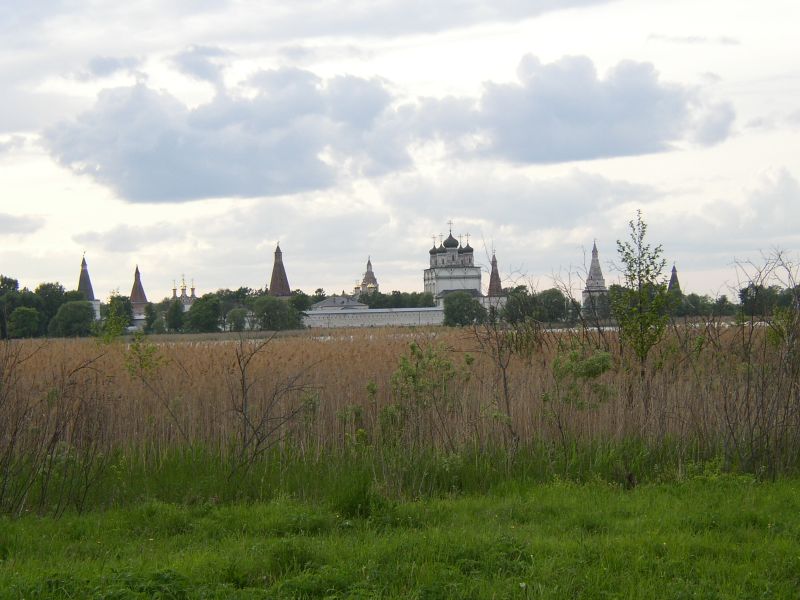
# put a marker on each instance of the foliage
(174, 316)
(462, 309)
(23, 323)
(275, 314)
(397, 299)
(204, 314)
(236, 319)
(117, 316)
(73, 319)
(640, 306)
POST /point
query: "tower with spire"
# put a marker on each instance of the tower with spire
(595, 294)
(279, 283)
(138, 299)
(452, 268)
(85, 288)
(495, 287)
(369, 283)
(674, 285)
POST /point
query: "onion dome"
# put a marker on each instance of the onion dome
(441, 249)
(433, 250)
(465, 249)
(450, 242)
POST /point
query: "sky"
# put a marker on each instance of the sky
(189, 137)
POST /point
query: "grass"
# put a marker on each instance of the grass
(717, 536)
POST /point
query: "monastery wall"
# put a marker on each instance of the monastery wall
(376, 317)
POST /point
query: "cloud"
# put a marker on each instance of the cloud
(563, 111)
(298, 132)
(104, 66)
(694, 39)
(149, 147)
(201, 62)
(19, 224)
(128, 238)
(12, 143)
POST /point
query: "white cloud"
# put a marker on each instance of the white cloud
(19, 224)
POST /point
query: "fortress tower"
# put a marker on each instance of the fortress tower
(279, 283)
(595, 294)
(85, 288)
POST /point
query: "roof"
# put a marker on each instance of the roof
(595, 281)
(137, 291)
(495, 287)
(84, 283)
(338, 303)
(279, 283)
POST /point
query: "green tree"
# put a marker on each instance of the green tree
(462, 309)
(119, 309)
(174, 316)
(236, 319)
(204, 315)
(150, 317)
(52, 297)
(640, 305)
(552, 305)
(300, 301)
(23, 322)
(73, 319)
(274, 314)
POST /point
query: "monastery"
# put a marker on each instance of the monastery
(451, 268)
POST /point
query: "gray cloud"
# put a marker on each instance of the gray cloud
(128, 238)
(694, 39)
(12, 143)
(563, 111)
(19, 224)
(201, 62)
(103, 66)
(149, 147)
(300, 132)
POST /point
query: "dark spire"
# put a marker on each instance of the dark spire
(495, 287)
(84, 283)
(595, 279)
(279, 283)
(674, 284)
(137, 291)
(369, 276)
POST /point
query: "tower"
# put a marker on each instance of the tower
(369, 283)
(279, 283)
(85, 288)
(138, 297)
(674, 285)
(452, 268)
(495, 287)
(595, 294)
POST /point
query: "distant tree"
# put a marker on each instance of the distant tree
(73, 296)
(640, 305)
(236, 319)
(8, 284)
(173, 318)
(150, 317)
(274, 314)
(552, 305)
(23, 322)
(119, 310)
(73, 319)
(758, 300)
(52, 297)
(724, 307)
(462, 309)
(520, 305)
(319, 296)
(300, 301)
(204, 315)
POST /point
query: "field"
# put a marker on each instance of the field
(711, 536)
(402, 463)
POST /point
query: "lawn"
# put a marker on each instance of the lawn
(714, 536)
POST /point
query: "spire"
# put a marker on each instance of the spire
(279, 283)
(595, 279)
(137, 291)
(495, 287)
(674, 284)
(369, 280)
(84, 283)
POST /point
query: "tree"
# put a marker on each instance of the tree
(204, 315)
(552, 305)
(52, 297)
(73, 319)
(174, 316)
(23, 322)
(300, 301)
(640, 305)
(150, 317)
(462, 309)
(274, 314)
(520, 305)
(236, 319)
(119, 309)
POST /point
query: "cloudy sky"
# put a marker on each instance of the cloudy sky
(189, 137)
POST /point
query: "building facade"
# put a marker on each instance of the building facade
(452, 269)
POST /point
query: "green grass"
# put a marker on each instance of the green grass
(716, 536)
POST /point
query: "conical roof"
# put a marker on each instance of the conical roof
(85, 283)
(674, 284)
(495, 287)
(369, 276)
(137, 291)
(595, 279)
(279, 283)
